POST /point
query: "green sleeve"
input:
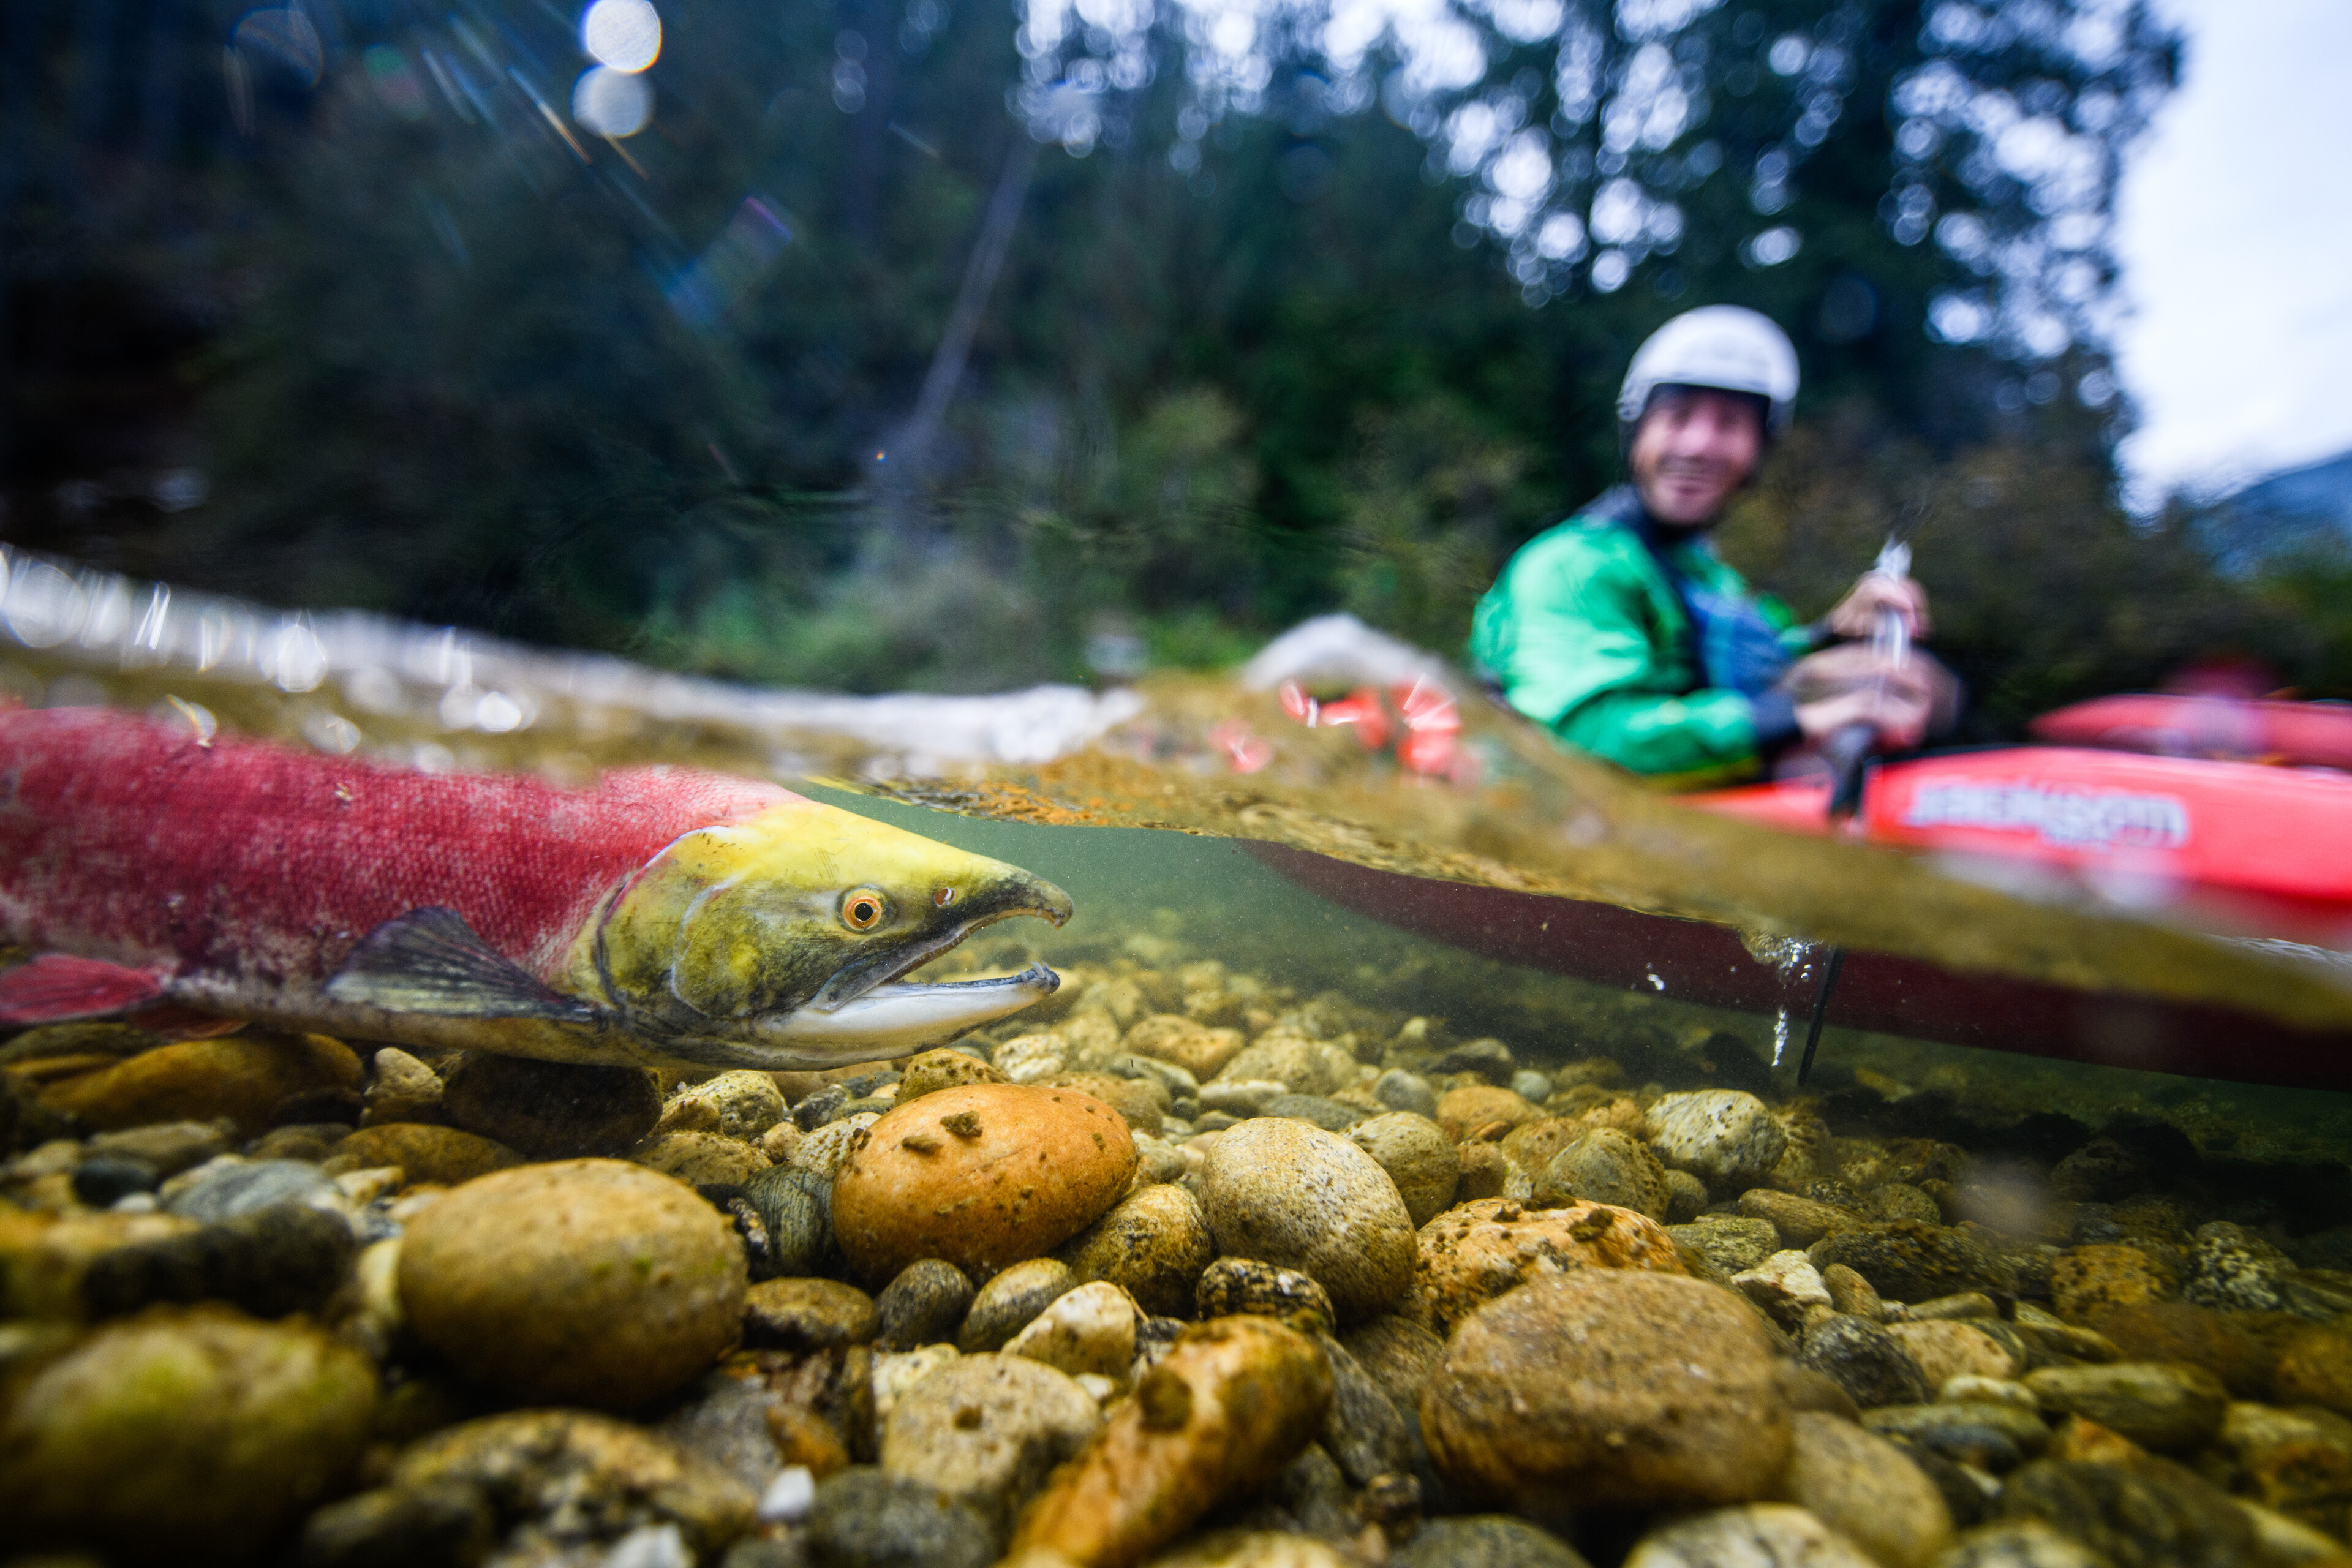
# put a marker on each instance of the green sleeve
(1588, 640)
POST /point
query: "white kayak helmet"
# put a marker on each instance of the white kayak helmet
(1727, 348)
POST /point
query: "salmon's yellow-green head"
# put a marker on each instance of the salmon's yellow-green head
(787, 938)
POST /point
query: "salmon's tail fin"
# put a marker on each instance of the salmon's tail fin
(57, 988)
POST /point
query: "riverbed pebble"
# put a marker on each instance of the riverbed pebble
(1012, 1300)
(1154, 1244)
(1475, 1252)
(1604, 1165)
(1948, 1350)
(1232, 1402)
(1906, 1260)
(1866, 1360)
(400, 1088)
(550, 1110)
(424, 1151)
(924, 1304)
(1407, 1091)
(742, 1104)
(196, 1427)
(1990, 1434)
(1300, 1065)
(1759, 1535)
(1295, 1195)
(587, 1477)
(591, 1282)
(982, 1176)
(1417, 1156)
(242, 1076)
(1726, 1137)
(945, 1068)
(1732, 1242)
(1800, 1221)
(804, 1315)
(2169, 1406)
(1785, 1285)
(1605, 1383)
(1863, 1487)
(2134, 1517)
(989, 1429)
(1484, 1541)
(1231, 1285)
(1472, 1107)
(1199, 1048)
(1088, 1330)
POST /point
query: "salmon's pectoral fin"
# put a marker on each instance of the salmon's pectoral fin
(430, 961)
(56, 988)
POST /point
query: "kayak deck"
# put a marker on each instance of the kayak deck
(2267, 849)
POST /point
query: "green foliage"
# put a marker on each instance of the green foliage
(1224, 381)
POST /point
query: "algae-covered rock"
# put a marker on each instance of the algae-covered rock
(1287, 1193)
(242, 1076)
(1907, 1261)
(2166, 1405)
(1760, 1535)
(1726, 1137)
(1638, 1387)
(552, 1111)
(588, 1281)
(426, 1152)
(989, 1429)
(1417, 1156)
(2151, 1516)
(1153, 1246)
(1011, 1300)
(199, 1427)
(1866, 1489)
(605, 1478)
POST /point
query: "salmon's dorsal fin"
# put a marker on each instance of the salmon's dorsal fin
(57, 988)
(430, 961)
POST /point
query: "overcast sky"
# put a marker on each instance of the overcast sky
(2236, 239)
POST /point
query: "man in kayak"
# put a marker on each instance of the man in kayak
(1624, 634)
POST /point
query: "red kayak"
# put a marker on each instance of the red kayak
(2266, 851)
(2311, 734)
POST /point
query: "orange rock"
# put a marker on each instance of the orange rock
(1476, 1251)
(1228, 1406)
(1462, 1112)
(982, 1176)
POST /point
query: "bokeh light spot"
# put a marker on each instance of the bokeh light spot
(611, 102)
(624, 34)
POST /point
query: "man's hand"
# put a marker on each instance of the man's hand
(1857, 615)
(1851, 686)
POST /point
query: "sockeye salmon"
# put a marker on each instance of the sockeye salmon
(667, 916)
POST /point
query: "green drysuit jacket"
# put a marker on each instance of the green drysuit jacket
(1586, 636)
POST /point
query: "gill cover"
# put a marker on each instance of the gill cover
(804, 904)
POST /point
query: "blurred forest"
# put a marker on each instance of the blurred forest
(1302, 306)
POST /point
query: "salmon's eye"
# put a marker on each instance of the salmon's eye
(941, 898)
(862, 909)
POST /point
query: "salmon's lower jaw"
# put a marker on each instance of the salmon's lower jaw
(894, 1019)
